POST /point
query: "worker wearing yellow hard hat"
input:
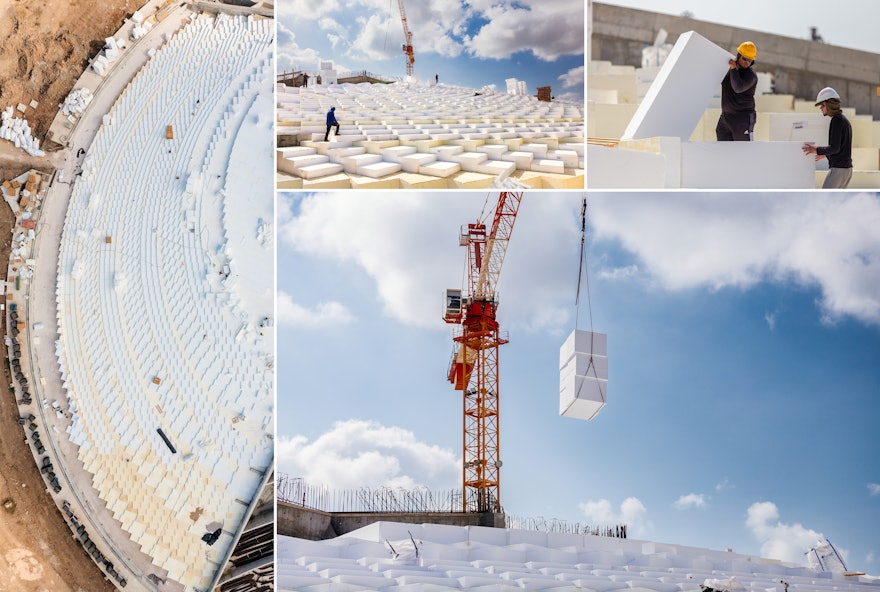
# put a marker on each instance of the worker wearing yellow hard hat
(737, 121)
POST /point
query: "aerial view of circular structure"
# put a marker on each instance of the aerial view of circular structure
(143, 303)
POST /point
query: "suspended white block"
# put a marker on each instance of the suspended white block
(769, 165)
(688, 80)
(583, 375)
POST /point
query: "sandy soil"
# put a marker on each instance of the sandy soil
(45, 47)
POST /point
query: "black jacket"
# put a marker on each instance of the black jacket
(839, 148)
(738, 91)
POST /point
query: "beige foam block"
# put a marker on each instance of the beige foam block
(360, 182)
(866, 159)
(619, 168)
(375, 147)
(608, 121)
(623, 84)
(772, 165)
(864, 180)
(705, 129)
(572, 179)
(774, 103)
(285, 181)
(688, 80)
(417, 181)
(470, 180)
(337, 181)
(602, 95)
(863, 131)
(875, 134)
(530, 178)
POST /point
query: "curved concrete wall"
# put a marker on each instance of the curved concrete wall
(800, 67)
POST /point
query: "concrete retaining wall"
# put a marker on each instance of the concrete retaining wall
(315, 525)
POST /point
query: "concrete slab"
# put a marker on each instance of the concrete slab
(618, 168)
(771, 165)
(683, 89)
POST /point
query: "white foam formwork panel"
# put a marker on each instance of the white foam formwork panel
(689, 78)
(618, 168)
(746, 165)
(583, 374)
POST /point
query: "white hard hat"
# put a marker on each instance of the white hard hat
(825, 94)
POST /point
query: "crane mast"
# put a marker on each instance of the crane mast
(474, 367)
(407, 45)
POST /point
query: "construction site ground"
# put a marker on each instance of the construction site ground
(46, 46)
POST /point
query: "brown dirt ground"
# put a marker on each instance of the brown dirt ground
(45, 48)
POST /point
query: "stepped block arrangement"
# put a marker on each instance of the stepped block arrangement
(164, 266)
(679, 105)
(426, 135)
(442, 558)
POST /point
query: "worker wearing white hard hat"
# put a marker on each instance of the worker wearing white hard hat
(737, 121)
(839, 148)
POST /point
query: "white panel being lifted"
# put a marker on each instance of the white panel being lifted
(583, 375)
(688, 80)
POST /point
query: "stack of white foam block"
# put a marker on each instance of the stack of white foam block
(583, 374)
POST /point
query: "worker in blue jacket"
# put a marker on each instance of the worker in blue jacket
(839, 148)
(737, 121)
(331, 121)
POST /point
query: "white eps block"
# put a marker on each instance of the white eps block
(583, 342)
(583, 374)
(746, 165)
(618, 168)
(581, 397)
(688, 80)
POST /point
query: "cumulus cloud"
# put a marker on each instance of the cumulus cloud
(691, 500)
(690, 241)
(786, 542)
(574, 77)
(357, 453)
(547, 29)
(290, 55)
(632, 512)
(324, 314)
(408, 244)
(874, 488)
(618, 273)
(723, 485)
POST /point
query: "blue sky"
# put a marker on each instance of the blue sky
(474, 44)
(743, 345)
(848, 24)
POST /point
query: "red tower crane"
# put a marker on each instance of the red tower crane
(474, 367)
(407, 45)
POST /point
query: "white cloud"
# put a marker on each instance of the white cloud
(869, 558)
(786, 542)
(293, 11)
(723, 485)
(574, 77)
(323, 315)
(408, 244)
(632, 513)
(770, 317)
(691, 500)
(357, 453)
(874, 488)
(619, 273)
(548, 29)
(690, 241)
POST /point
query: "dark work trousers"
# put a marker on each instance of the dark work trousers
(329, 125)
(735, 127)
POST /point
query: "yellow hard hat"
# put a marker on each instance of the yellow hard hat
(747, 50)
